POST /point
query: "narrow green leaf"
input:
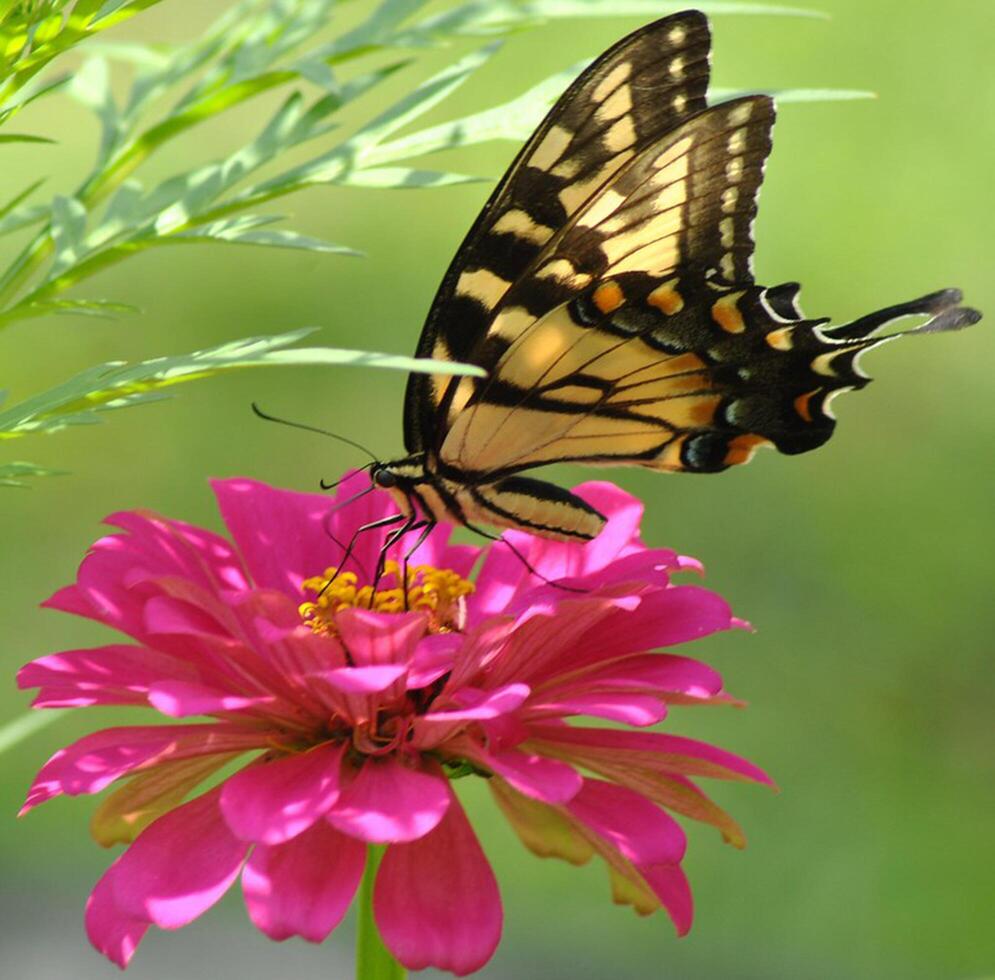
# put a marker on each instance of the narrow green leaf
(275, 238)
(80, 399)
(23, 138)
(142, 55)
(821, 95)
(107, 9)
(403, 178)
(652, 8)
(68, 230)
(514, 120)
(12, 204)
(12, 475)
(426, 96)
(490, 17)
(16, 731)
(106, 309)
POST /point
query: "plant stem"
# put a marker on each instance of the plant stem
(373, 962)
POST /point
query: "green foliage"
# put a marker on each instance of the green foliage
(255, 47)
(119, 385)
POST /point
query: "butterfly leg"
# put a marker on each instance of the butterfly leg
(373, 525)
(528, 565)
(426, 529)
(411, 521)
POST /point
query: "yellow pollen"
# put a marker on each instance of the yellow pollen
(435, 591)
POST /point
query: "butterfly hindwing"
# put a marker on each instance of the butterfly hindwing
(630, 97)
(679, 375)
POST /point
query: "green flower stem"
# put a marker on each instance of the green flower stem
(373, 962)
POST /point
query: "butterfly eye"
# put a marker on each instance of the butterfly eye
(384, 478)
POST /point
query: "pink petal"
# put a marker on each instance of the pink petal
(630, 709)
(280, 534)
(304, 887)
(274, 801)
(542, 779)
(362, 680)
(662, 672)
(637, 828)
(374, 638)
(483, 704)
(546, 640)
(179, 699)
(434, 656)
(389, 802)
(176, 548)
(111, 931)
(69, 599)
(664, 617)
(670, 885)
(436, 902)
(114, 674)
(96, 760)
(651, 750)
(180, 865)
(118, 575)
(165, 615)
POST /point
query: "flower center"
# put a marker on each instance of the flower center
(438, 592)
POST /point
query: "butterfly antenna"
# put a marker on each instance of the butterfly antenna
(342, 479)
(313, 428)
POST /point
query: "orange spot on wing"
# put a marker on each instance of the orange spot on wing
(726, 314)
(742, 448)
(780, 339)
(666, 299)
(802, 405)
(608, 297)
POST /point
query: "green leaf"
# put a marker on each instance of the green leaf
(12, 204)
(821, 95)
(239, 231)
(12, 475)
(16, 731)
(514, 120)
(81, 399)
(23, 138)
(68, 230)
(490, 17)
(426, 96)
(91, 86)
(404, 177)
(105, 309)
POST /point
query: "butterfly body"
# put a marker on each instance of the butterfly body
(607, 290)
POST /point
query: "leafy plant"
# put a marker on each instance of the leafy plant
(255, 47)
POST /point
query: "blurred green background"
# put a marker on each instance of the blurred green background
(866, 566)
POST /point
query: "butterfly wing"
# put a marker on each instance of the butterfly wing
(628, 98)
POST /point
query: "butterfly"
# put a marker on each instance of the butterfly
(607, 291)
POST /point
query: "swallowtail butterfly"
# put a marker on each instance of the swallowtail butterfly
(607, 289)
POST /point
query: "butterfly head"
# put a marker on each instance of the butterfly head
(401, 478)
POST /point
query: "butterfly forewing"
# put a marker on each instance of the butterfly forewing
(629, 98)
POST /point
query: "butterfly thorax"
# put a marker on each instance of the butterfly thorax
(422, 488)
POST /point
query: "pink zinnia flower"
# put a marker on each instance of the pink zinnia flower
(350, 724)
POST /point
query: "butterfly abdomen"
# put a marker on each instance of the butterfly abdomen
(534, 505)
